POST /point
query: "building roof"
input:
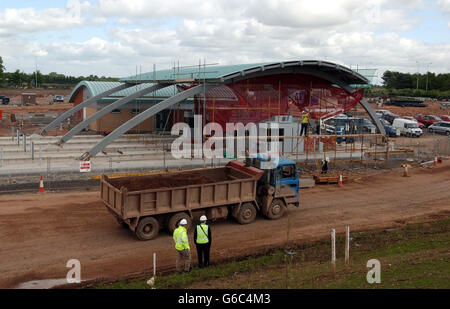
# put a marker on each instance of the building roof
(96, 88)
(361, 78)
(226, 73)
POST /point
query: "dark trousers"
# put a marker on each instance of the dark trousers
(203, 254)
(304, 129)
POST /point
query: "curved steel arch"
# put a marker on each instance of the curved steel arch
(143, 116)
(82, 105)
(373, 115)
(320, 74)
(108, 109)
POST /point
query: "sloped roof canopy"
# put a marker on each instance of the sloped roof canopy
(96, 88)
(231, 73)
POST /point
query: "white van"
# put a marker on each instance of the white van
(407, 127)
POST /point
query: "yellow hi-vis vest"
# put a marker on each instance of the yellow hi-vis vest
(180, 238)
(202, 237)
(305, 118)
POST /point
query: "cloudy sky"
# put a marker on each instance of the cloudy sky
(113, 37)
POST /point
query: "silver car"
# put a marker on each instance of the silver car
(442, 127)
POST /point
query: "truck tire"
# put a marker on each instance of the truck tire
(173, 221)
(276, 209)
(246, 214)
(148, 228)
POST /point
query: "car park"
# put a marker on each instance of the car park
(442, 127)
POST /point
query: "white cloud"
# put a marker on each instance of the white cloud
(365, 33)
(30, 20)
(445, 7)
(158, 8)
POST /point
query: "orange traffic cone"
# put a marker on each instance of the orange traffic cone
(405, 171)
(435, 159)
(41, 185)
(340, 179)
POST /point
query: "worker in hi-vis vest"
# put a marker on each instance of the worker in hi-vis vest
(202, 239)
(182, 246)
(305, 122)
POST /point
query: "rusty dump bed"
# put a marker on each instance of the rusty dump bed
(137, 196)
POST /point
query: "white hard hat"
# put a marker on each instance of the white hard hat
(183, 222)
(327, 159)
(203, 218)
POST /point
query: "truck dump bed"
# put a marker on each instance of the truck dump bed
(139, 196)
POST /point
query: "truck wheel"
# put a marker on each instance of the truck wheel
(276, 209)
(173, 221)
(246, 214)
(148, 228)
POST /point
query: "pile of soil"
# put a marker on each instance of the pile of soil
(159, 181)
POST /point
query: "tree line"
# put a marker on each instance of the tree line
(428, 81)
(397, 84)
(20, 79)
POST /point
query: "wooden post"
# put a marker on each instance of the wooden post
(347, 245)
(154, 264)
(333, 249)
(376, 144)
(335, 150)
(362, 148)
(387, 152)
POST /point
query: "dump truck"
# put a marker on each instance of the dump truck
(241, 190)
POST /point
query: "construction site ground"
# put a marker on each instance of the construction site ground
(40, 233)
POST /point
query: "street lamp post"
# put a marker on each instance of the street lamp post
(417, 85)
(426, 87)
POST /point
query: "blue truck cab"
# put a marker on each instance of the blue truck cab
(278, 187)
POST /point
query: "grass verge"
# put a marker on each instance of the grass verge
(415, 256)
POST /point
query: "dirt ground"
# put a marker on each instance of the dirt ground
(40, 233)
(432, 108)
(42, 95)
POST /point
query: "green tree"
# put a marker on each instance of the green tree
(40, 78)
(2, 71)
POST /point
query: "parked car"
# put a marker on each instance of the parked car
(344, 125)
(445, 117)
(442, 127)
(4, 99)
(381, 112)
(407, 127)
(58, 98)
(390, 117)
(428, 120)
(390, 130)
(421, 125)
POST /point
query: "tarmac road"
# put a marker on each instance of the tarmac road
(40, 233)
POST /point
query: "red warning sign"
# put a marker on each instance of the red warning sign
(85, 166)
